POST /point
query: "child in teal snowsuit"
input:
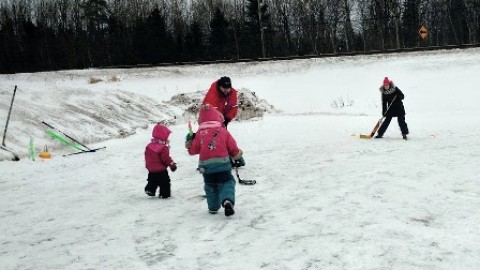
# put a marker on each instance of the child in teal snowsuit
(215, 145)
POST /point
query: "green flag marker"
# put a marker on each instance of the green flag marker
(31, 149)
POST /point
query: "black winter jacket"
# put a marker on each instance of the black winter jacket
(396, 108)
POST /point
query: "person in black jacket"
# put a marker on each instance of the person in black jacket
(392, 106)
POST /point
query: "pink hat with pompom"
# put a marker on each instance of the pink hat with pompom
(386, 81)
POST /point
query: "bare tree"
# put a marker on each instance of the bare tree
(333, 13)
(282, 13)
(348, 29)
(394, 6)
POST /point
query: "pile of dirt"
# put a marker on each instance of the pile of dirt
(249, 105)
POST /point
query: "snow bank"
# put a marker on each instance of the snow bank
(96, 115)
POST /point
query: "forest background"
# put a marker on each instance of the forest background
(43, 35)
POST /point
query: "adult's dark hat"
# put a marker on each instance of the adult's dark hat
(224, 82)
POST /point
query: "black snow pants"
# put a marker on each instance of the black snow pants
(401, 123)
(161, 180)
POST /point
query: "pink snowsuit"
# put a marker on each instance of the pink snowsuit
(157, 153)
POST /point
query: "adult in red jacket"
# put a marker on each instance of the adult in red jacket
(223, 97)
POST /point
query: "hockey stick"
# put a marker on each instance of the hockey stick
(55, 136)
(63, 140)
(242, 181)
(50, 126)
(380, 121)
(374, 130)
(86, 151)
(3, 146)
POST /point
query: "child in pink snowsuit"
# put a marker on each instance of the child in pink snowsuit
(157, 160)
(215, 145)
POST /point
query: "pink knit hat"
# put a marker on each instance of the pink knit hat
(386, 81)
(209, 113)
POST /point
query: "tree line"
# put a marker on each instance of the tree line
(41, 35)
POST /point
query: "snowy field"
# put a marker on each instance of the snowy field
(324, 198)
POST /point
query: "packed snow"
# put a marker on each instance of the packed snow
(324, 198)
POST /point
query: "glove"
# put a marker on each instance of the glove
(190, 137)
(173, 167)
(238, 163)
(225, 123)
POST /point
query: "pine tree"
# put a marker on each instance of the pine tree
(194, 42)
(411, 23)
(219, 35)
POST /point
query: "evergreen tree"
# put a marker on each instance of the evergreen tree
(96, 18)
(457, 13)
(157, 38)
(253, 28)
(118, 42)
(219, 38)
(8, 45)
(194, 42)
(411, 23)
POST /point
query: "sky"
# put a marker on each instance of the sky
(324, 198)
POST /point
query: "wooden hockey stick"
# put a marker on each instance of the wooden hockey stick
(375, 128)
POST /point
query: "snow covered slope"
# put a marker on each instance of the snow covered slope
(324, 198)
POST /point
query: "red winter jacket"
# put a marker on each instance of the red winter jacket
(226, 105)
(213, 142)
(157, 153)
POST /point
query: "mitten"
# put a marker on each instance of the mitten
(190, 137)
(173, 166)
(239, 162)
(225, 123)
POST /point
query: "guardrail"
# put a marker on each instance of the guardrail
(308, 56)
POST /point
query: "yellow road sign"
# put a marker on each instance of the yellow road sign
(423, 32)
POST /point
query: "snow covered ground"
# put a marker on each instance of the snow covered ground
(324, 198)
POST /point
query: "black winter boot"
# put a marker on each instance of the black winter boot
(149, 193)
(228, 208)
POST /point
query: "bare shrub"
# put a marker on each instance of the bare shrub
(114, 78)
(342, 102)
(94, 80)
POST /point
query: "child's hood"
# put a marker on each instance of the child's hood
(208, 113)
(161, 132)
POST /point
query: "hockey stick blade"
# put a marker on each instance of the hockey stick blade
(365, 136)
(86, 151)
(244, 182)
(15, 156)
(247, 182)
